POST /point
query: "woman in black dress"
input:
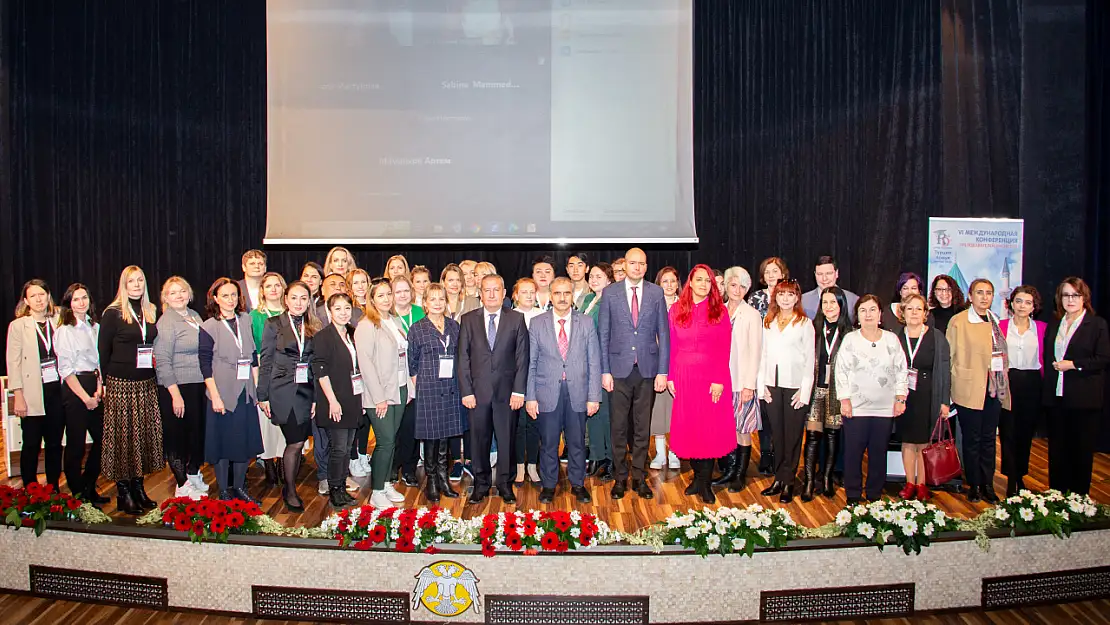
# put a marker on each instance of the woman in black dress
(946, 298)
(930, 387)
(338, 393)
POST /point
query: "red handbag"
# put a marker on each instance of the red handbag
(942, 462)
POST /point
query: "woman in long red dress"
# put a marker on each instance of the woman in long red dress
(702, 424)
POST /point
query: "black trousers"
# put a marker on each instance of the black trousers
(871, 435)
(408, 448)
(528, 439)
(183, 437)
(766, 439)
(787, 425)
(1015, 426)
(1072, 436)
(630, 423)
(44, 429)
(339, 448)
(979, 428)
(362, 437)
(79, 422)
(489, 421)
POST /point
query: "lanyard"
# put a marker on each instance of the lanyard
(48, 338)
(299, 336)
(350, 348)
(913, 350)
(189, 320)
(238, 337)
(406, 323)
(446, 340)
(142, 324)
(828, 345)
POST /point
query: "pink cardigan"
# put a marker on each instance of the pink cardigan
(1040, 325)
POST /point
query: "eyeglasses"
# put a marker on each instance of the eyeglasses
(1070, 296)
(942, 289)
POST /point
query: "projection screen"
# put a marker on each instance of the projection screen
(479, 121)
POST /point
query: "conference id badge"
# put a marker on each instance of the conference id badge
(997, 362)
(828, 374)
(301, 376)
(356, 383)
(911, 378)
(144, 357)
(243, 369)
(49, 370)
(446, 367)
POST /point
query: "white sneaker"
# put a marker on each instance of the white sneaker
(323, 487)
(199, 485)
(380, 500)
(352, 486)
(187, 490)
(658, 462)
(394, 495)
(356, 469)
(365, 460)
(672, 461)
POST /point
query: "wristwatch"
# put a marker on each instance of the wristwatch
(899, 401)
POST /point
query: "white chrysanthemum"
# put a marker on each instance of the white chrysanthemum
(1090, 510)
(866, 530)
(843, 518)
(1001, 514)
(1075, 506)
(859, 511)
(704, 526)
(928, 529)
(575, 516)
(692, 532)
(765, 535)
(939, 518)
(887, 534)
(1064, 515)
(1026, 514)
(713, 541)
(909, 528)
(738, 544)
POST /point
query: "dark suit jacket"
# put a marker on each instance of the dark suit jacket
(622, 344)
(493, 376)
(332, 360)
(277, 372)
(1089, 349)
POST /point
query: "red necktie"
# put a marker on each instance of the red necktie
(564, 343)
(635, 307)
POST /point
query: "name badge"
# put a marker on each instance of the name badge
(49, 370)
(356, 383)
(446, 367)
(144, 357)
(911, 377)
(301, 376)
(996, 361)
(828, 374)
(243, 370)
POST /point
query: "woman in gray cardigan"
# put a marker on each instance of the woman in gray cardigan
(930, 390)
(229, 364)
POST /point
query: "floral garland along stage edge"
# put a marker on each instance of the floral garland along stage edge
(37, 504)
(1050, 511)
(910, 524)
(730, 530)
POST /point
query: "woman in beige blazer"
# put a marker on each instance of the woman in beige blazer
(35, 383)
(980, 386)
(387, 388)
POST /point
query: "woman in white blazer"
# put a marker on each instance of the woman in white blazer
(387, 388)
(786, 380)
(35, 383)
(744, 360)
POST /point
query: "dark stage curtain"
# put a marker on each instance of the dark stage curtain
(133, 131)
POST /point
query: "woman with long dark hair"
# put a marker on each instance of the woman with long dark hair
(1024, 341)
(823, 425)
(312, 274)
(908, 283)
(946, 298)
(339, 387)
(79, 369)
(35, 382)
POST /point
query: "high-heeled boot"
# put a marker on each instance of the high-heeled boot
(269, 468)
(138, 493)
(431, 488)
(124, 502)
(743, 457)
(706, 491)
(442, 462)
(812, 452)
(728, 468)
(832, 446)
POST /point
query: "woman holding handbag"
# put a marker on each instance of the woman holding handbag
(929, 382)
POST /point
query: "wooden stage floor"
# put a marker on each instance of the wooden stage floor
(628, 514)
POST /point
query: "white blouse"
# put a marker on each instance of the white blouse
(787, 358)
(1023, 348)
(870, 374)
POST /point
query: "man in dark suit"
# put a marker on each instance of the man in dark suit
(635, 340)
(564, 387)
(493, 371)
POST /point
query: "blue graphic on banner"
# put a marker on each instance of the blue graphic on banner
(969, 248)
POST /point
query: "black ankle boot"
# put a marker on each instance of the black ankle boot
(706, 491)
(177, 467)
(695, 479)
(138, 493)
(269, 467)
(832, 445)
(442, 463)
(739, 480)
(431, 486)
(125, 503)
(728, 468)
(337, 496)
(774, 489)
(279, 470)
(812, 450)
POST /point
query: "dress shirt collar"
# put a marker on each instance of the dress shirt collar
(974, 317)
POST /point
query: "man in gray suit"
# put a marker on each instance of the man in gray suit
(564, 387)
(635, 341)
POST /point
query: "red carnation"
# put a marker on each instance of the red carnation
(487, 532)
(363, 520)
(404, 543)
(73, 504)
(363, 545)
(198, 527)
(56, 508)
(378, 533)
(427, 522)
(181, 524)
(549, 541)
(562, 546)
(343, 526)
(218, 526)
(513, 542)
(252, 509)
(488, 549)
(235, 520)
(192, 509)
(529, 527)
(585, 540)
(562, 523)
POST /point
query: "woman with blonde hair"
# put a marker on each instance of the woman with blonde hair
(181, 387)
(339, 260)
(271, 303)
(358, 285)
(452, 281)
(397, 265)
(132, 422)
(421, 278)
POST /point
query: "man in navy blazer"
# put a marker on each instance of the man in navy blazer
(635, 339)
(564, 387)
(493, 369)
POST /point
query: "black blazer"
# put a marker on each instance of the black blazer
(332, 360)
(1089, 349)
(493, 376)
(277, 371)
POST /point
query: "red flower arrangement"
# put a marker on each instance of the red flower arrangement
(530, 532)
(407, 530)
(211, 519)
(35, 505)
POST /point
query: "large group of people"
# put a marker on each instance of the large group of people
(466, 374)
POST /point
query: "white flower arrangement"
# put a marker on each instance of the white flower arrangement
(909, 524)
(730, 530)
(1050, 511)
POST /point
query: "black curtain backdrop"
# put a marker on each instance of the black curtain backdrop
(134, 132)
